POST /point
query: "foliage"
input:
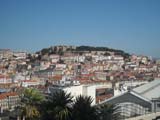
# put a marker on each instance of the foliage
(30, 112)
(32, 96)
(89, 48)
(108, 112)
(81, 49)
(106, 54)
(82, 109)
(58, 106)
(45, 51)
(30, 100)
(60, 52)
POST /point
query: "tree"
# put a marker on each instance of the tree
(55, 49)
(108, 112)
(82, 109)
(30, 112)
(45, 51)
(61, 52)
(31, 98)
(58, 107)
(107, 54)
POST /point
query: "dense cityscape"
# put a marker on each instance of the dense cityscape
(61, 82)
(79, 60)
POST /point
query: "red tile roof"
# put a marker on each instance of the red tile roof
(5, 95)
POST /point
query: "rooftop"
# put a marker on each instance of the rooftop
(149, 90)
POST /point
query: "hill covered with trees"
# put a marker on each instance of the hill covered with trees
(81, 49)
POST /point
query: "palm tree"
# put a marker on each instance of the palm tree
(31, 98)
(30, 112)
(108, 112)
(82, 109)
(58, 106)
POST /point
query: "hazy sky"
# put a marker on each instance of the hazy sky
(130, 25)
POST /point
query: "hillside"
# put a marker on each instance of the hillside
(81, 49)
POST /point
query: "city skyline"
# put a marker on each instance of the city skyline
(132, 26)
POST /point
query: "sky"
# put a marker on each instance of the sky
(129, 25)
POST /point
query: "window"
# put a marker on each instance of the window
(158, 105)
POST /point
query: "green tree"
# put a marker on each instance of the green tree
(58, 107)
(45, 51)
(61, 52)
(108, 112)
(82, 109)
(31, 98)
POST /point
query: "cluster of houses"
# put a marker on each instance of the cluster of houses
(93, 73)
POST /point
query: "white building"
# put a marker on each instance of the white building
(20, 55)
(27, 83)
(5, 79)
(85, 89)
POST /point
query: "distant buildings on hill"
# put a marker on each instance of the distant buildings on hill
(107, 75)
